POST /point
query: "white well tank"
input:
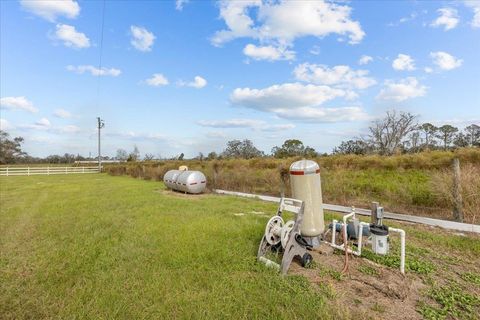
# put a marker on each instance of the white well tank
(306, 186)
(185, 181)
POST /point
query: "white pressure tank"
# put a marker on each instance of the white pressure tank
(306, 186)
(185, 181)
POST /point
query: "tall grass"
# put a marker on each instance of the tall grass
(442, 184)
(402, 183)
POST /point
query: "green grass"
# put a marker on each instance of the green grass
(91, 247)
(97, 246)
(453, 302)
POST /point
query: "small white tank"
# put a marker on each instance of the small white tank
(185, 181)
(306, 186)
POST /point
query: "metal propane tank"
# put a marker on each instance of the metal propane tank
(306, 186)
(185, 180)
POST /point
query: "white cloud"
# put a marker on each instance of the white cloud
(297, 101)
(341, 76)
(269, 53)
(365, 60)
(198, 82)
(157, 80)
(5, 125)
(445, 61)
(448, 19)
(20, 103)
(428, 70)
(61, 113)
(142, 39)
(43, 122)
(284, 21)
(403, 62)
(245, 123)
(309, 114)
(475, 5)
(51, 9)
(402, 90)
(179, 4)
(287, 95)
(71, 37)
(95, 71)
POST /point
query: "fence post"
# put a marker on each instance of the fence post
(28, 171)
(456, 192)
(48, 171)
(7, 171)
(66, 170)
(83, 169)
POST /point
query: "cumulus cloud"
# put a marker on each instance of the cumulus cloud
(51, 9)
(287, 95)
(245, 123)
(365, 60)
(284, 21)
(342, 76)
(445, 61)
(296, 101)
(198, 83)
(61, 113)
(448, 18)
(5, 125)
(94, 71)
(17, 103)
(269, 53)
(179, 4)
(402, 90)
(475, 5)
(71, 37)
(403, 62)
(142, 39)
(157, 80)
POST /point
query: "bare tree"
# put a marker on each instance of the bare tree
(388, 134)
(148, 156)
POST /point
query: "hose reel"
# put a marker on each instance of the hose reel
(285, 237)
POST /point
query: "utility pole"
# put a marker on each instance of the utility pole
(101, 124)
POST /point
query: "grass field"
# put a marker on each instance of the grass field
(103, 247)
(410, 183)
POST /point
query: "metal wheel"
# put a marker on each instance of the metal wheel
(273, 230)
(306, 259)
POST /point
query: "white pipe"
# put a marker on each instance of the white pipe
(358, 252)
(269, 263)
(402, 250)
(360, 235)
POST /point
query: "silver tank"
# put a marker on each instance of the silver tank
(185, 181)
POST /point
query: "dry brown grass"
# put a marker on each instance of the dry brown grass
(442, 184)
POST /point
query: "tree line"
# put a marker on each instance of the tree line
(396, 132)
(400, 132)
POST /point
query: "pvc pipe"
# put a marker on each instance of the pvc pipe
(402, 247)
(269, 263)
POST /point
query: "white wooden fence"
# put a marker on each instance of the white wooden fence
(30, 171)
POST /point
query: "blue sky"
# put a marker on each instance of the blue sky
(187, 76)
